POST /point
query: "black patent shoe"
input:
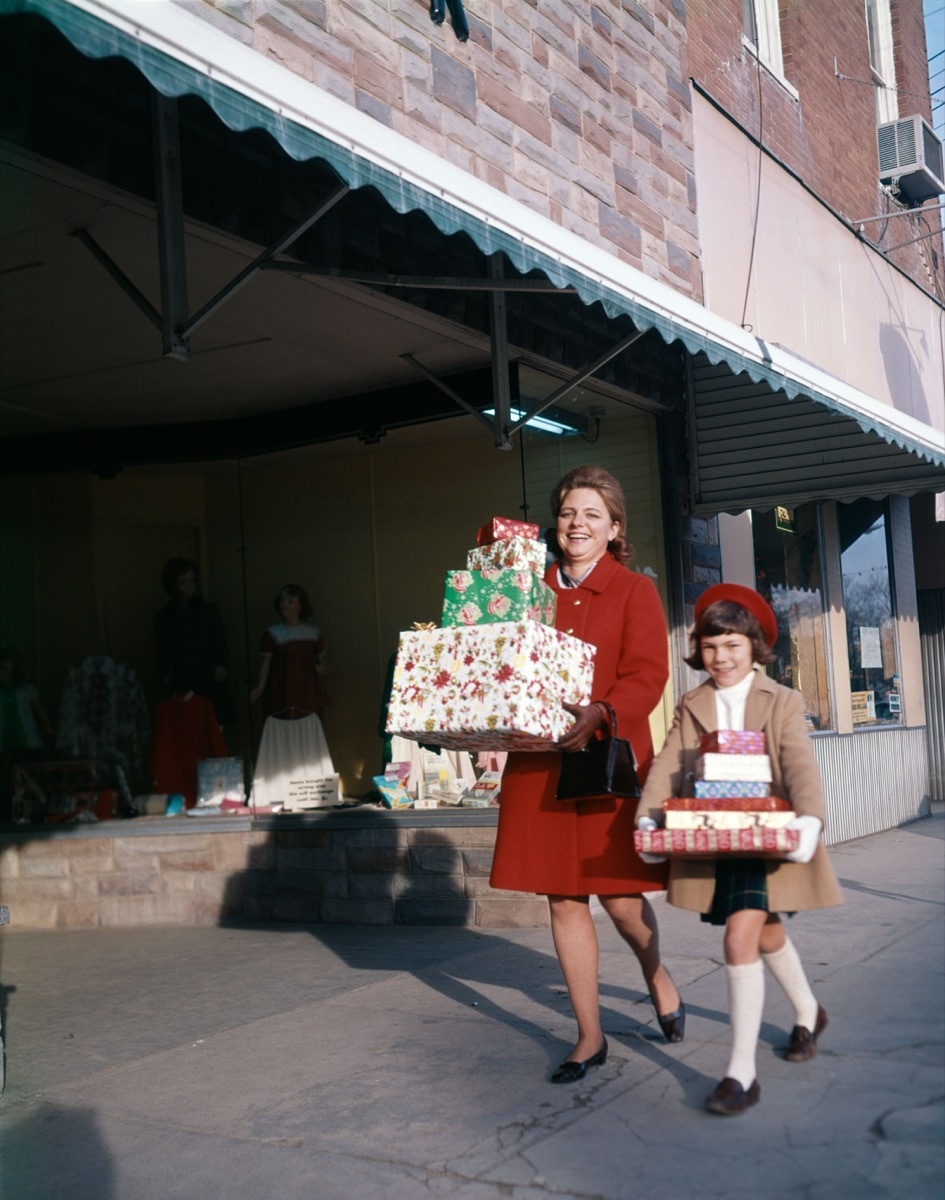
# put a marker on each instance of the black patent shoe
(571, 1071)
(672, 1024)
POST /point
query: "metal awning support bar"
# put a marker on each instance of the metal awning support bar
(170, 223)
(901, 212)
(447, 390)
(429, 282)
(576, 380)
(240, 280)
(498, 326)
(119, 276)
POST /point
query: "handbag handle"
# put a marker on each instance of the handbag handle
(611, 715)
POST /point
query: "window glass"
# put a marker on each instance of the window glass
(788, 575)
(882, 62)
(762, 27)
(868, 601)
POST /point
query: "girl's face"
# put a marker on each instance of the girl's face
(727, 658)
(290, 606)
(584, 528)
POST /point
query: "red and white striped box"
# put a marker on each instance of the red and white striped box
(713, 843)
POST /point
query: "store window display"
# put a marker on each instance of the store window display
(868, 591)
(789, 575)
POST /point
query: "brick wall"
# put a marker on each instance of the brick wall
(579, 110)
(826, 133)
(382, 872)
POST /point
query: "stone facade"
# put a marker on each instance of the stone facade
(341, 871)
(580, 111)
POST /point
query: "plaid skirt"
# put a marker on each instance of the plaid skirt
(739, 883)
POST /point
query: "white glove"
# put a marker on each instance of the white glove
(647, 824)
(809, 828)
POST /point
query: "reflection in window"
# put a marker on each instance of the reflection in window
(871, 626)
(788, 575)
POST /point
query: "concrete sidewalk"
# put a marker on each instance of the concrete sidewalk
(341, 1063)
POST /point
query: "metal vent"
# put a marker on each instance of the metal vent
(910, 157)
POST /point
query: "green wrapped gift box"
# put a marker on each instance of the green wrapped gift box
(494, 595)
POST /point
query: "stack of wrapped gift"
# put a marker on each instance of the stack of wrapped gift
(494, 675)
(731, 812)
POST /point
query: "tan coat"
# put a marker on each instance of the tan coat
(779, 712)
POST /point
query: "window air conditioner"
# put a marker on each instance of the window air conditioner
(910, 157)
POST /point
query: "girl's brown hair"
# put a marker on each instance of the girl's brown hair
(611, 493)
(727, 617)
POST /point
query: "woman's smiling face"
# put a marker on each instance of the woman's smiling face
(584, 528)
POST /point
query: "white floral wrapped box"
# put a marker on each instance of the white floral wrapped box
(516, 552)
(488, 687)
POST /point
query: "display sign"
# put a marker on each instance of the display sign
(871, 653)
(864, 707)
(303, 793)
(894, 703)
(784, 519)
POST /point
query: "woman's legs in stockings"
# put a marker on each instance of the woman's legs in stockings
(575, 939)
(635, 921)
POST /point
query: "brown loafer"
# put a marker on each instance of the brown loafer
(730, 1098)
(802, 1045)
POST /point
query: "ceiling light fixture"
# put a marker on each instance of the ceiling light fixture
(543, 424)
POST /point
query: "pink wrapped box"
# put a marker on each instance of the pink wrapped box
(737, 803)
(726, 768)
(733, 741)
(719, 789)
(488, 687)
(520, 553)
(722, 818)
(689, 843)
(504, 527)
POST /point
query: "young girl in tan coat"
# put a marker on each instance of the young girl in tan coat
(734, 631)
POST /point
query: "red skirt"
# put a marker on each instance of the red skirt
(560, 848)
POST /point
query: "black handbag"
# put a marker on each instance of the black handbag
(604, 768)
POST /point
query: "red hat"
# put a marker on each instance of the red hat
(748, 598)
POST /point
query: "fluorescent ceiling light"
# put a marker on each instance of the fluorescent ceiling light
(545, 424)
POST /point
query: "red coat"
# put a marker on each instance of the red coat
(567, 849)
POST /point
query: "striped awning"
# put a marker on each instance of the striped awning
(767, 425)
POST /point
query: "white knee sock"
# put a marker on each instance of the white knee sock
(785, 965)
(746, 1001)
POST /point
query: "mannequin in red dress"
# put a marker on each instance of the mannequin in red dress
(292, 660)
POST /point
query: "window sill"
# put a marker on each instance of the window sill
(771, 69)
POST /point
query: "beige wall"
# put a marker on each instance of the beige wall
(369, 531)
(812, 286)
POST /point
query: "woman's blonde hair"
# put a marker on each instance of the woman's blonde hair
(611, 493)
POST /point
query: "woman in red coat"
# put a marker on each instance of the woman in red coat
(572, 851)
